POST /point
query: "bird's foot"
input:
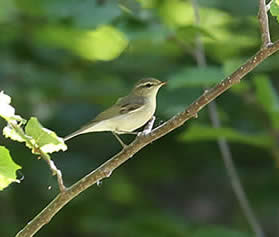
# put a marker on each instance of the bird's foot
(148, 127)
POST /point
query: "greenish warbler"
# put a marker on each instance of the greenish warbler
(128, 113)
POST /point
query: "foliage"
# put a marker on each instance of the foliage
(64, 61)
(275, 9)
(8, 168)
(203, 133)
(36, 137)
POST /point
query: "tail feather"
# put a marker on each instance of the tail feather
(85, 129)
(72, 135)
(76, 133)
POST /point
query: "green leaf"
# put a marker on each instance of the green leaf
(274, 9)
(42, 137)
(6, 110)
(268, 98)
(104, 43)
(196, 77)
(198, 133)
(11, 133)
(189, 33)
(8, 168)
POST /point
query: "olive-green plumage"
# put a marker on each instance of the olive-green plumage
(128, 113)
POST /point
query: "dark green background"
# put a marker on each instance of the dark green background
(56, 67)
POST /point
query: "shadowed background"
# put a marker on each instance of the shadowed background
(65, 61)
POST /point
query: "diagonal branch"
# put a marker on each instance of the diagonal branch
(178, 120)
(263, 21)
(223, 144)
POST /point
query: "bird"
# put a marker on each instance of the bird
(128, 113)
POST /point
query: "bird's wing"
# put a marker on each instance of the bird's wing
(130, 105)
(100, 117)
(122, 106)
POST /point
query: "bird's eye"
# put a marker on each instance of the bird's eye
(148, 85)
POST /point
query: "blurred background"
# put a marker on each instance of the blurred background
(64, 61)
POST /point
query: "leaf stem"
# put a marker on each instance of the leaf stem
(45, 156)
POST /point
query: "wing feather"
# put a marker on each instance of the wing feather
(122, 106)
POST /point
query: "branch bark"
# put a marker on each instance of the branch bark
(140, 142)
(223, 144)
(264, 25)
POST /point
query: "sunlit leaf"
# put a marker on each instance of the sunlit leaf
(177, 13)
(196, 76)
(6, 110)
(198, 133)
(8, 168)
(274, 9)
(43, 138)
(11, 133)
(105, 43)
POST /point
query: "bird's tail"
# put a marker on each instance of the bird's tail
(85, 129)
(71, 135)
(76, 133)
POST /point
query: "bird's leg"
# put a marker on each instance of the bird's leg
(119, 139)
(148, 127)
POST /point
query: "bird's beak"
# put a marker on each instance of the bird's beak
(163, 83)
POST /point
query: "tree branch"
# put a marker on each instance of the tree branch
(178, 120)
(263, 21)
(223, 144)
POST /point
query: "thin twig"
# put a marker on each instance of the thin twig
(268, 5)
(58, 174)
(264, 25)
(44, 155)
(235, 181)
(223, 144)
